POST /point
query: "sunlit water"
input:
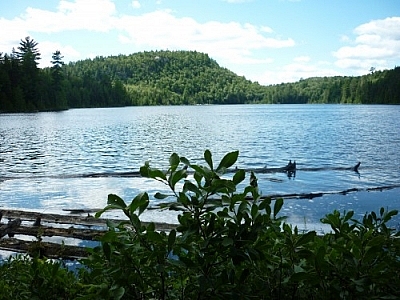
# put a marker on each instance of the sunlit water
(48, 160)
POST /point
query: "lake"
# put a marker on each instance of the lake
(73, 159)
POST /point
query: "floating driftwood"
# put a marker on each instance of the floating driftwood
(40, 225)
(290, 168)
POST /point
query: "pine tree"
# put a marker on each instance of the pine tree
(28, 56)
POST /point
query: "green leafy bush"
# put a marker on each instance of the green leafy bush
(22, 277)
(228, 245)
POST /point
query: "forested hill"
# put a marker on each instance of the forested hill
(166, 78)
(170, 77)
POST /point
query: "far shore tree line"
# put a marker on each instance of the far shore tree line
(166, 78)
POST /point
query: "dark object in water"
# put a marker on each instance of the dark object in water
(9, 227)
(290, 167)
(355, 168)
(37, 221)
(253, 180)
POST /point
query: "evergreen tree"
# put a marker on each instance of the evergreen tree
(58, 100)
(28, 56)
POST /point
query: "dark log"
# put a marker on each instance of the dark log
(54, 225)
(44, 249)
(88, 220)
(9, 227)
(82, 234)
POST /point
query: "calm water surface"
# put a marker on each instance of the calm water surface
(46, 157)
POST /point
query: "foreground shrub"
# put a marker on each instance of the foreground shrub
(22, 277)
(228, 245)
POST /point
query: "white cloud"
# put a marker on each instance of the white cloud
(95, 15)
(302, 59)
(136, 4)
(301, 67)
(11, 31)
(228, 41)
(377, 44)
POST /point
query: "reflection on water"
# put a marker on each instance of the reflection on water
(44, 155)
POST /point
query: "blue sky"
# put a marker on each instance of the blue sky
(269, 41)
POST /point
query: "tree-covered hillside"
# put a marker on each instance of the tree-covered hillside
(171, 77)
(166, 78)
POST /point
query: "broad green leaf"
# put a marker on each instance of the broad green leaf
(183, 198)
(208, 159)
(141, 201)
(154, 236)
(239, 176)
(116, 200)
(243, 207)
(305, 238)
(348, 215)
(388, 216)
(151, 226)
(222, 185)
(161, 196)
(254, 210)
(265, 203)
(109, 237)
(225, 199)
(277, 206)
(190, 187)
(156, 174)
(228, 160)
(198, 177)
(185, 161)
(171, 239)
(381, 211)
(147, 172)
(117, 292)
(135, 221)
(174, 161)
(106, 250)
(176, 177)
(107, 208)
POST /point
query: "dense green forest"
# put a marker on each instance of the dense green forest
(166, 78)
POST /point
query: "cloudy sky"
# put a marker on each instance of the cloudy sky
(269, 41)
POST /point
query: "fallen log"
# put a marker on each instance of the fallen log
(44, 249)
(73, 219)
(76, 233)
(58, 227)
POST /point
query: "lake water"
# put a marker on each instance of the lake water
(74, 159)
